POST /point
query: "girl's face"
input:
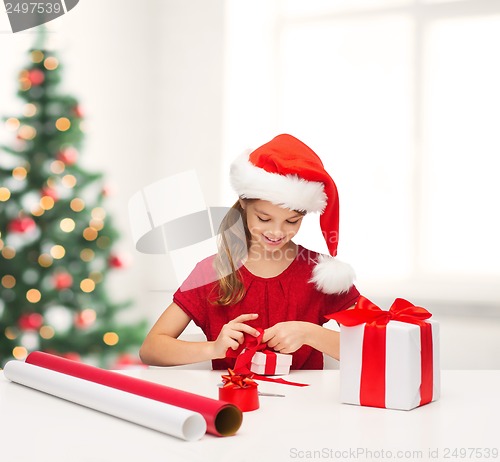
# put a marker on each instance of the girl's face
(271, 227)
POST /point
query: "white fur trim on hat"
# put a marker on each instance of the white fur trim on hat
(331, 276)
(289, 191)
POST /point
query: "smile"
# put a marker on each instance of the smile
(273, 241)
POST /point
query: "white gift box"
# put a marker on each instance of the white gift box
(403, 364)
(259, 361)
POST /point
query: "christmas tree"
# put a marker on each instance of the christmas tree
(56, 239)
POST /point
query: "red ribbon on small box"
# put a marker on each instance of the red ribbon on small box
(372, 386)
(244, 354)
(240, 390)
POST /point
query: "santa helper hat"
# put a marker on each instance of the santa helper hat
(288, 173)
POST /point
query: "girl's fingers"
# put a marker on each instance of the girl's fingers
(238, 323)
(234, 345)
(272, 344)
(245, 328)
(245, 317)
(235, 337)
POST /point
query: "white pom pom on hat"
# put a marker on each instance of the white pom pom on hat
(288, 173)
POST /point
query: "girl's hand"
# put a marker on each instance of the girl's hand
(286, 337)
(232, 334)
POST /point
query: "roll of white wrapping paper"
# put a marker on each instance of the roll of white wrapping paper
(172, 420)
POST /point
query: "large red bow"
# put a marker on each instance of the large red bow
(372, 387)
(233, 380)
(366, 311)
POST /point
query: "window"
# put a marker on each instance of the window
(401, 100)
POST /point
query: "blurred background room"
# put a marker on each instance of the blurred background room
(400, 99)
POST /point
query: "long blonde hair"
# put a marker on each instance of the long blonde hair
(233, 244)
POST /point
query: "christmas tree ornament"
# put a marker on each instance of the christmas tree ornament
(12, 124)
(4, 194)
(36, 77)
(51, 63)
(128, 361)
(21, 225)
(33, 296)
(72, 356)
(60, 318)
(11, 333)
(30, 276)
(30, 321)
(67, 225)
(87, 285)
(30, 340)
(47, 202)
(26, 132)
(85, 318)
(20, 353)
(8, 282)
(19, 173)
(57, 167)
(77, 204)
(63, 124)
(111, 338)
(77, 111)
(37, 56)
(29, 110)
(118, 261)
(62, 280)
(47, 332)
(49, 191)
(68, 155)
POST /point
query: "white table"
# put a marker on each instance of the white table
(35, 427)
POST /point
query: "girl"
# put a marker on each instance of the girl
(260, 277)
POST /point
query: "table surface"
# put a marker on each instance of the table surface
(309, 423)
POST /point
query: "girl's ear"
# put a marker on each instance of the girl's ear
(242, 203)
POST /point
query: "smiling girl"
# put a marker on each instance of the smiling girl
(260, 277)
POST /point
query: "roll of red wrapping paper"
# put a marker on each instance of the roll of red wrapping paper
(163, 417)
(223, 419)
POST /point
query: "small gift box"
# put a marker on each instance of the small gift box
(270, 363)
(253, 356)
(240, 390)
(389, 359)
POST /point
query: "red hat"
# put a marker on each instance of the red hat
(288, 173)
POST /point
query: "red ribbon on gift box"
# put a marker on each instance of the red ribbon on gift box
(244, 354)
(372, 386)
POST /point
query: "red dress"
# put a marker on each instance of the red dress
(286, 297)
